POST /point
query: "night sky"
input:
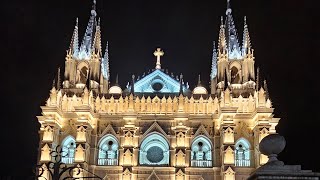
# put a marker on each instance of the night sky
(284, 35)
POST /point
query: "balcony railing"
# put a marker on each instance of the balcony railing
(107, 162)
(242, 162)
(201, 163)
(67, 160)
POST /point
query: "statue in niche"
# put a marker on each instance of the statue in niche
(82, 75)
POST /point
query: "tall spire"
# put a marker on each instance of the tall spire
(246, 44)
(86, 45)
(74, 45)
(105, 63)
(231, 35)
(222, 43)
(214, 62)
(97, 40)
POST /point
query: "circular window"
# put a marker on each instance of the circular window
(155, 154)
(157, 86)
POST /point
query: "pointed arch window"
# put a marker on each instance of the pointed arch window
(108, 151)
(68, 149)
(242, 153)
(154, 150)
(201, 152)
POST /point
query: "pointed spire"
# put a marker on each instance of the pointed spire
(229, 10)
(181, 83)
(199, 80)
(105, 63)
(86, 45)
(231, 35)
(258, 79)
(54, 83)
(214, 62)
(97, 40)
(222, 38)
(74, 45)
(58, 79)
(117, 80)
(265, 86)
(132, 84)
(225, 79)
(246, 44)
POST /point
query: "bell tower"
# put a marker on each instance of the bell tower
(85, 66)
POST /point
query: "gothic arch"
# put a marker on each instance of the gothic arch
(201, 152)
(235, 72)
(242, 152)
(68, 146)
(154, 150)
(82, 72)
(108, 150)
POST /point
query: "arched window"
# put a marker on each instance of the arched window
(242, 153)
(201, 152)
(68, 150)
(154, 150)
(108, 151)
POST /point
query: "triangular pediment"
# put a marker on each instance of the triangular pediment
(157, 81)
(155, 127)
(108, 130)
(201, 131)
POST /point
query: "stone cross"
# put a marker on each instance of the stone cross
(158, 53)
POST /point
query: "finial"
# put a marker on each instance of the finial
(245, 20)
(99, 21)
(214, 45)
(77, 22)
(258, 78)
(53, 83)
(93, 11)
(181, 82)
(158, 53)
(228, 8)
(58, 79)
(132, 85)
(265, 86)
(221, 19)
(199, 80)
(117, 79)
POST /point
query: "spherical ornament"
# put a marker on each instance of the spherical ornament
(272, 144)
(155, 154)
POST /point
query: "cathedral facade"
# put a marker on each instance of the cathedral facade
(158, 127)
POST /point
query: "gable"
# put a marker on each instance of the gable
(157, 82)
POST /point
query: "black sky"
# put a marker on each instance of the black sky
(36, 35)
